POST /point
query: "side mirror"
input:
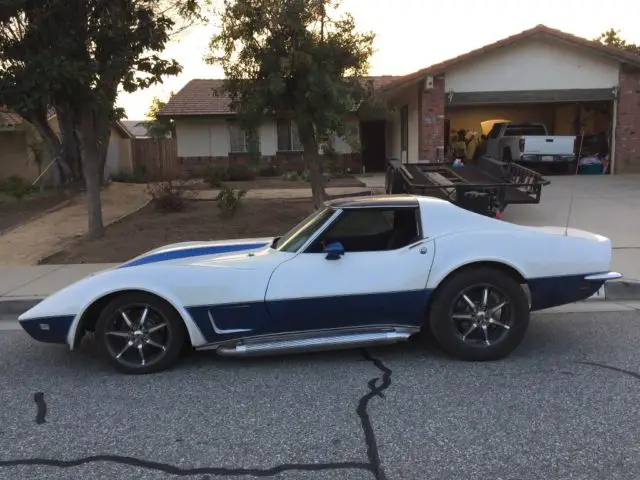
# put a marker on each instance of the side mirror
(334, 251)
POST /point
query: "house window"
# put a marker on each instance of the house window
(240, 140)
(288, 139)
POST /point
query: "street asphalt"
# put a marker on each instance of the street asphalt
(565, 405)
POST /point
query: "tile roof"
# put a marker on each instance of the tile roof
(136, 127)
(9, 118)
(539, 31)
(206, 97)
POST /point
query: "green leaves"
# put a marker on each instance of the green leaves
(78, 52)
(297, 59)
(612, 38)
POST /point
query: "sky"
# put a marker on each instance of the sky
(413, 34)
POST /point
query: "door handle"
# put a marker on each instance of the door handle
(423, 250)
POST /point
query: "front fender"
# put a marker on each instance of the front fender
(181, 286)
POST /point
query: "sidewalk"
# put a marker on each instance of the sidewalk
(23, 287)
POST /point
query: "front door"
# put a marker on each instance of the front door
(380, 280)
(372, 138)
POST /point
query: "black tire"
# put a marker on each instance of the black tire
(159, 343)
(506, 155)
(449, 331)
(570, 169)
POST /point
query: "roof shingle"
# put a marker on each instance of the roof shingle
(206, 97)
(539, 31)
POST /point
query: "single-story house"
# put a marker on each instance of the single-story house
(572, 85)
(207, 132)
(20, 143)
(137, 128)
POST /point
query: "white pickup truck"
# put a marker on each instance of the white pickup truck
(529, 143)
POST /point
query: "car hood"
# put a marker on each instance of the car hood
(190, 252)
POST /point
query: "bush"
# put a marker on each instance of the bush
(268, 171)
(137, 176)
(169, 195)
(241, 173)
(214, 175)
(16, 187)
(303, 175)
(229, 201)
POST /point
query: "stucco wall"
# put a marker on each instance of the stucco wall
(210, 138)
(409, 97)
(534, 65)
(14, 159)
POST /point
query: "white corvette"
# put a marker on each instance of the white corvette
(362, 271)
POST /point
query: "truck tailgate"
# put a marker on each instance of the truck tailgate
(556, 145)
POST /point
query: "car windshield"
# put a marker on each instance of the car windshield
(303, 231)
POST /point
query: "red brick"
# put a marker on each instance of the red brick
(431, 118)
(627, 135)
(285, 161)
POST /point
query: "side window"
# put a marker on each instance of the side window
(495, 130)
(371, 230)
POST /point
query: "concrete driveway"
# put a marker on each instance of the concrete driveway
(609, 205)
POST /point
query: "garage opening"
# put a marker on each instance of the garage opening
(582, 131)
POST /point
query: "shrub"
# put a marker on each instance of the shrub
(169, 195)
(241, 173)
(127, 177)
(214, 175)
(16, 187)
(229, 201)
(268, 171)
(302, 175)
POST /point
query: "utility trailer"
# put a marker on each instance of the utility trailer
(485, 187)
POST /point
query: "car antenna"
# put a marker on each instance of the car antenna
(573, 183)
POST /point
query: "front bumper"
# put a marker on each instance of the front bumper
(48, 329)
(547, 158)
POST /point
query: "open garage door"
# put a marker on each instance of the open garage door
(585, 114)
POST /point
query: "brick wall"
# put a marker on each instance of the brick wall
(431, 118)
(627, 150)
(285, 161)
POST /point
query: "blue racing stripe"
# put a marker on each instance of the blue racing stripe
(192, 252)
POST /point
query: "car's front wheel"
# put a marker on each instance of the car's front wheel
(140, 333)
(480, 314)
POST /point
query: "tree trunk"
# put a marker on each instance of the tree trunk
(69, 140)
(311, 154)
(92, 136)
(40, 122)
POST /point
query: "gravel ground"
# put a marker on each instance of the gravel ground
(563, 406)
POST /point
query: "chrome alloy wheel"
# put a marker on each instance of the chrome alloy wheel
(482, 315)
(137, 336)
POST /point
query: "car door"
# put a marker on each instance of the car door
(371, 284)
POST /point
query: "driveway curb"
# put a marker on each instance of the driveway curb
(13, 307)
(613, 291)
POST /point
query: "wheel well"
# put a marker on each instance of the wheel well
(90, 316)
(508, 270)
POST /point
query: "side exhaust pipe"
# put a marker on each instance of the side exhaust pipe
(333, 342)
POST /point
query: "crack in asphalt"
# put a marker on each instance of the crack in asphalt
(182, 472)
(373, 455)
(42, 407)
(615, 369)
(370, 437)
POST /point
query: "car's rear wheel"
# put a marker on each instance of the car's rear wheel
(140, 333)
(479, 315)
